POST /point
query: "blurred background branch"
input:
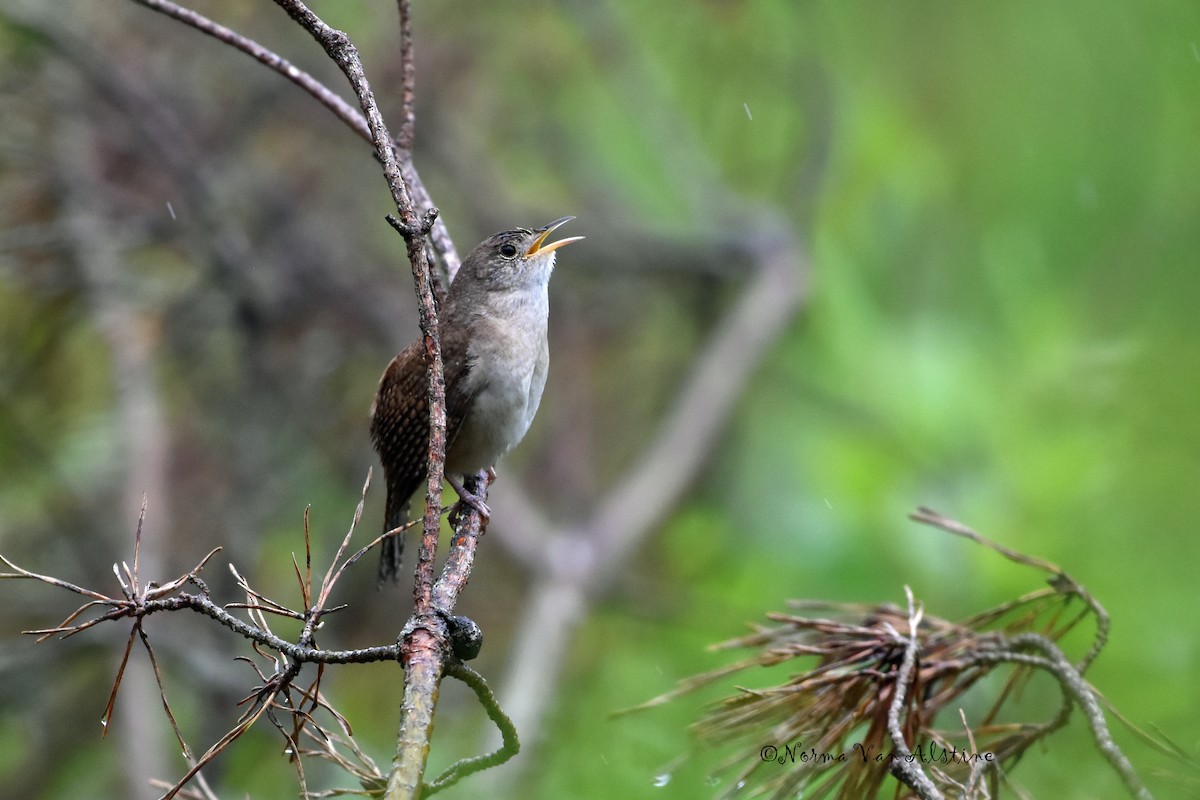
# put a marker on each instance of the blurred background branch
(131, 332)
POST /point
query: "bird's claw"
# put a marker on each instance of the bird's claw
(470, 497)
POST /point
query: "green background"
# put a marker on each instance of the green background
(1002, 322)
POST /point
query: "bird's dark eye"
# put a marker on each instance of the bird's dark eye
(508, 250)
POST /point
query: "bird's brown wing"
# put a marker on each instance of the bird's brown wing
(400, 433)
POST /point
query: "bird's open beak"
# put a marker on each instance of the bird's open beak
(537, 248)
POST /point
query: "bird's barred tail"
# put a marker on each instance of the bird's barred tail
(392, 550)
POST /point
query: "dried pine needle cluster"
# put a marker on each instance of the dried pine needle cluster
(881, 695)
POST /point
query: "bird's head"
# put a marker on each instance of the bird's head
(512, 260)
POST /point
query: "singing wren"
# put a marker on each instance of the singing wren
(494, 355)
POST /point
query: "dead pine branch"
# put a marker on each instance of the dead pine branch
(298, 711)
(884, 698)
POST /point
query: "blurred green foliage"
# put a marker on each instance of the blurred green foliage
(1002, 324)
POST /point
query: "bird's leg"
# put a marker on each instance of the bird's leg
(468, 492)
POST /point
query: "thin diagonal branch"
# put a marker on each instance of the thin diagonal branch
(1061, 582)
(1077, 688)
(408, 83)
(904, 767)
(323, 95)
(351, 117)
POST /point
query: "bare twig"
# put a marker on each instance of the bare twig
(1061, 582)
(339, 107)
(461, 558)
(439, 238)
(323, 95)
(139, 598)
(905, 767)
(1073, 684)
(408, 71)
(508, 732)
(164, 598)
(345, 112)
(930, 517)
(423, 587)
